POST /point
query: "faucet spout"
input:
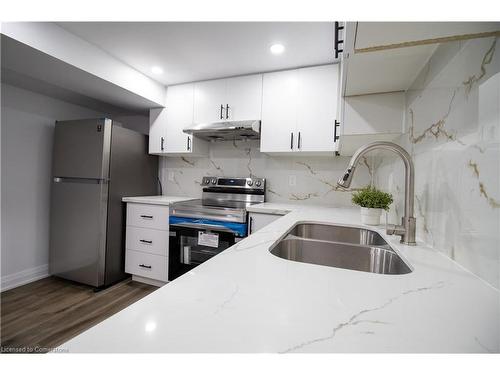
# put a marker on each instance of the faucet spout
(407, 228)
(346, 179)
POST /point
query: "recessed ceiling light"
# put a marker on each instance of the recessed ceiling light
(157, 70)
(277, 49)
(150, 326)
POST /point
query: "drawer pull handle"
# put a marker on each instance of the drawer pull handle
(147, 217)
(146, 241)
(144, 266)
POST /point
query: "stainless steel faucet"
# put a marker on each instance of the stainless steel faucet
(407, 228)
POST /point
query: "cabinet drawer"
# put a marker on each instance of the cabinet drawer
(147, 216)
(259, 221)
(147, 240)
(146, 265)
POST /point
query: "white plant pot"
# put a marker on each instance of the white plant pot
(370, 216)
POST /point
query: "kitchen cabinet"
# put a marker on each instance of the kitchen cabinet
(299, 109)
(379, 62)
(387, 35)
(387, 56)
(244, 96)
(235, 99)
(318, 100)
(209, 101)
(157, 127)
(258, 221)
(146, 243)
(166, 136)
(279, 111)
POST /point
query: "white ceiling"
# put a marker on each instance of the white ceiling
(193, 51)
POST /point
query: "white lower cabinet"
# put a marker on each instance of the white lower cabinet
(147, 236)
(151, 266)
(147, 216)
(258, 221)
(151, 241)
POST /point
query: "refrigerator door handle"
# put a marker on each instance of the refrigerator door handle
(81, 180)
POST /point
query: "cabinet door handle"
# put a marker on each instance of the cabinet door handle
(189, 143)
(149, 217)
(291, 141)
(144, 266)
(337, 40)
(221, 110)
(335, 136)
(299, 143)
(146, 241)
(162, 143)
(227, 111)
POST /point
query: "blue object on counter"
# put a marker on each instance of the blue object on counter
(239, 228)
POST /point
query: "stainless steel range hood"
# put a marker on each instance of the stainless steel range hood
(226, 130)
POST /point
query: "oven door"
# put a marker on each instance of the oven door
(194, 241)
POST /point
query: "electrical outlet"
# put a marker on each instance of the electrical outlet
(171, 176)
(292, 180)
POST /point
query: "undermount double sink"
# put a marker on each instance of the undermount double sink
(342, 247)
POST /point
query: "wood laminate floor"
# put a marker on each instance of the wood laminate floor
(46, 313)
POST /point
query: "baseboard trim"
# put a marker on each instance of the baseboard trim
(147, 280)
(24, 277)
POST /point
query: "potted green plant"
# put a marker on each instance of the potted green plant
(372, 201)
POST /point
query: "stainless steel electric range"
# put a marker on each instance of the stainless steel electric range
(202, 228)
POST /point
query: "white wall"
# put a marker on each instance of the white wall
(138, 123)
(27, 125)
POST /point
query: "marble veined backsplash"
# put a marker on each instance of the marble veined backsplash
(290, 179)
(453, 135)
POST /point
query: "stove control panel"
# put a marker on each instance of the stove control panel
(234, 182)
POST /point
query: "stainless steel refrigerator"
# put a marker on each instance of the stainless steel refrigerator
(95, 163)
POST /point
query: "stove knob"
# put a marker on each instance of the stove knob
(214, 181)
(249, 182)
(258, 183)
(206, 181)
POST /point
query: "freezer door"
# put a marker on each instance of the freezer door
(81, 148)
(78, 229)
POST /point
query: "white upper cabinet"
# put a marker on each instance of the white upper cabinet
(299, 109)
(387, 56)
(388, 35)
(238, 98)
(157, 120)
(179, 107)
(166, 136)
(279, 111)
(244, 97)
(209, 101)
(318, 102)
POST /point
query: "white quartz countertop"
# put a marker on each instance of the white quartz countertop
(248, 300)
(274, 208)
(163, 200)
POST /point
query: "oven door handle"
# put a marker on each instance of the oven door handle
(219, 228)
